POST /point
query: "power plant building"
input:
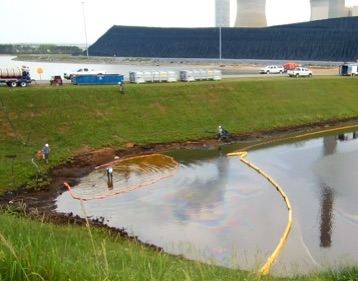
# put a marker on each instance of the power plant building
(222, 13)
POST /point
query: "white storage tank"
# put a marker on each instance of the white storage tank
(216, 74)
(167, 76)
(186, 75)
(148, 76)
(11, 72)
(136, 77)
(156, 76)
(197, 74)
(172, 76)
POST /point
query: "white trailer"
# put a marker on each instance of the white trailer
(348, 69)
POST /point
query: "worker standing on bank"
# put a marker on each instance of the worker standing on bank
(109, 171)
(121, 87)
(46, 152)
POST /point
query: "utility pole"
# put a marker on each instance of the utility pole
(220, 25)
(84, 22)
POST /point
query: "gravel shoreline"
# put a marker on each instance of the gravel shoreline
(232, 69)
(227, 66)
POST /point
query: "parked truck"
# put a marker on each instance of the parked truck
(82, 71)
(272, 69)
(300, 72)
(15, 76)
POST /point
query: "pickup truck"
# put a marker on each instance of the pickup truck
(272, 69)
(82, 71)
(300, 72)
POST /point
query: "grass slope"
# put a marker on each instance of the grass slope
(75, 119)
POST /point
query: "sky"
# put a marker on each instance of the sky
(84, 22)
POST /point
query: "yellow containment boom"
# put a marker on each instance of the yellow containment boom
(266, 268)
(242, 153)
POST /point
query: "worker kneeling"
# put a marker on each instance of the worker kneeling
(223, 134)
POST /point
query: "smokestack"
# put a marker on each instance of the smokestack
(222, 13)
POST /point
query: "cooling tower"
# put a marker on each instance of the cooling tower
(222, 13)
(337, 9)
(327, 9)
(251, 13)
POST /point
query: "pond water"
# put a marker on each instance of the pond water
(214, 208)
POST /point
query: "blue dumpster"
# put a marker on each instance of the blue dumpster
(97, 79)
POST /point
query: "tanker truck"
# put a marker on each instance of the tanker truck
(15, 76)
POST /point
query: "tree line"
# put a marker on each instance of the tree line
(11, 49)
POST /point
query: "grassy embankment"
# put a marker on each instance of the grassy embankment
(75, 119)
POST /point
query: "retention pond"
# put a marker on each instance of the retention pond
(210, 207)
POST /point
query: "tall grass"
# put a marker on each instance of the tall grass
(31, 250)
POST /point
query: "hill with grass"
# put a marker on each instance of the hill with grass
(324, 40)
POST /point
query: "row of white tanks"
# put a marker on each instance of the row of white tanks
(173, 76)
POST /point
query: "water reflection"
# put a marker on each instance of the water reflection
(201, 200)
(348, 136)
(327, 197)
(327, 193)
(217, 210)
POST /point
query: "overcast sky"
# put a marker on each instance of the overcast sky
(76, 21)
